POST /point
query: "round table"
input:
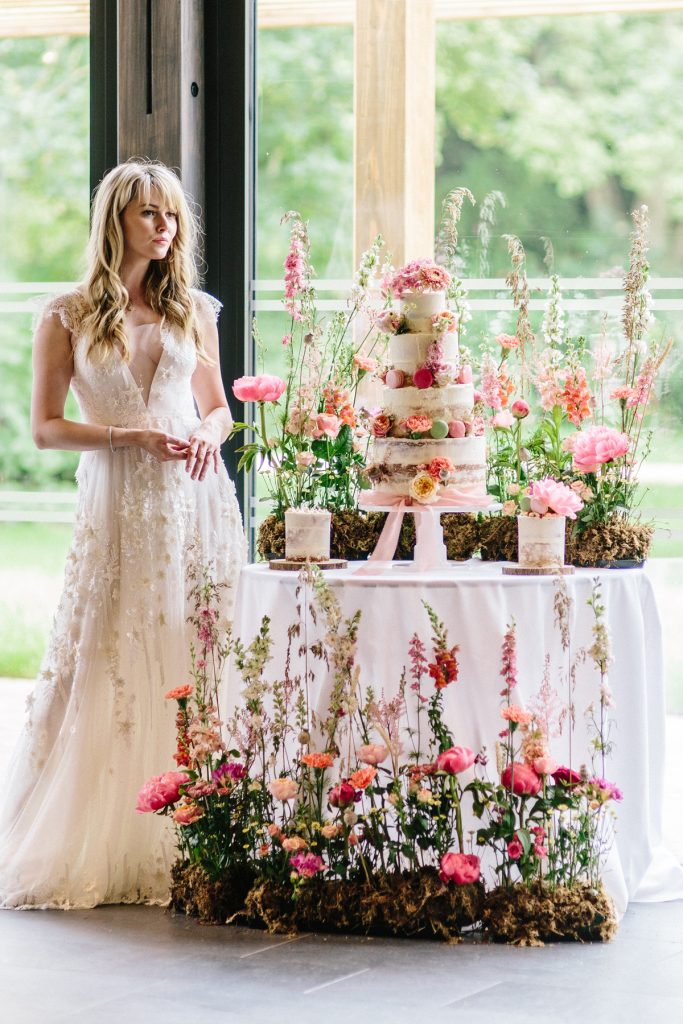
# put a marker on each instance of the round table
(477, 603)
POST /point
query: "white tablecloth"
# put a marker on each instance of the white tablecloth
(477, 602)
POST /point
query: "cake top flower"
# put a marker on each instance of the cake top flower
(418, 276)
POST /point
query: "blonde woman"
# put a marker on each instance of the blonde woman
(138, 346)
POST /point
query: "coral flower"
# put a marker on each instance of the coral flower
(508, 341)
(418, 424)
(513, 713)
(440, 468)
(364, 363)
(362, 778)
(180, 692)
(188, 814)
(314, 760)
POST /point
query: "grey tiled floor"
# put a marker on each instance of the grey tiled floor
(140, 965)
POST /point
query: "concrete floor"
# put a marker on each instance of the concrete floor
(142, 965)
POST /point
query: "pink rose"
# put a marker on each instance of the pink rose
(524, 781)
(160, 791)
(520, 409)
(264, 388)
(595, 446)
(461, 868)
(372, 753)
(454, 760)
(283, 788)
(327, 424)
(515, 849)
(503, 419)
(381, 425)
(549, 495)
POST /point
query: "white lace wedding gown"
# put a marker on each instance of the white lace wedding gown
(97, 723)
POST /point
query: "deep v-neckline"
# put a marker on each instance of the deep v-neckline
(162, 340)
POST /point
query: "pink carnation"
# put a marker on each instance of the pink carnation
(550, 496)
(160, 791)
(508, 341)
(264, 388)
(307, 864)
(595, 446)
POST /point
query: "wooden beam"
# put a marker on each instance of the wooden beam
(394, 126)
(161, 86)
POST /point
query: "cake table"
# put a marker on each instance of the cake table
(477, 603)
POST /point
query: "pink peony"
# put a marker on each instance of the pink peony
(595, 446)
(372, 753)
(283, 788)
(461, 868)
(264, 388)
(503, 419)
(520, 409)
(160, 791)
(550, 496)
(524, 781)
(454, 760)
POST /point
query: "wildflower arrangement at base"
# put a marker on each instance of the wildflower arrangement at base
(376, 801)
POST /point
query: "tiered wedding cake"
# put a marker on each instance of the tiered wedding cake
(427, 443)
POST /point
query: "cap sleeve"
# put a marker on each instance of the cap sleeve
(207, 305)
(69, 307)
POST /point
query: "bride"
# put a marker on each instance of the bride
(138, 345)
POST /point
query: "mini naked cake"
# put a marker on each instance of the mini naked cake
(307, 534)
(541, 541)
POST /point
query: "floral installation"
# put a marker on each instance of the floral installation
(307, 439)
(569, 410)
(365, 800)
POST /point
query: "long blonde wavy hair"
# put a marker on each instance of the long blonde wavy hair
(169, 280)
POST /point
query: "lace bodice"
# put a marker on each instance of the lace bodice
(108, 394)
